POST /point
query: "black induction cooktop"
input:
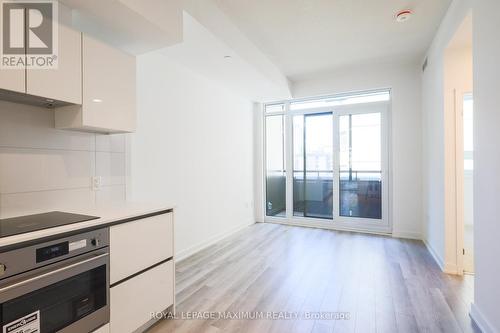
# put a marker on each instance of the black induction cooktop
(23, 224)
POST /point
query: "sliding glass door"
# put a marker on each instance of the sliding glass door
(275, 166)
(313, 165)
(360, 165)
(336, 156)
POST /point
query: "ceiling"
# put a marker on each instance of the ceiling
(305, 37)
(135, 26)
(273, 43)
(206, 54)
(196, 34)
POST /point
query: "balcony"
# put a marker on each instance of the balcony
(360, 194)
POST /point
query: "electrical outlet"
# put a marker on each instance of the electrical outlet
(96, 183)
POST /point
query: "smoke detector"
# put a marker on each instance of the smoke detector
(403, 15)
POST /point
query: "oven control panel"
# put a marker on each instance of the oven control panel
(34, 256)
(52, 251)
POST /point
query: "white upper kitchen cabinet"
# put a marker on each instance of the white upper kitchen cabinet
(65, 82)
(60, 84)
(12, 80)
(109, 91)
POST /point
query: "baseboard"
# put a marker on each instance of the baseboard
(434, 255)
(407, 235)
(450, 268)
(325, 226)
(184, 254)
(447, 267)
(479, 319)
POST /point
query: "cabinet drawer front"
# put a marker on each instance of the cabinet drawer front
(137, 245)
(133, 301)
(103, 329)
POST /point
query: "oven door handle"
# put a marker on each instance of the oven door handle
(50, 273)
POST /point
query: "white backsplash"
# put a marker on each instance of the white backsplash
(42, 168)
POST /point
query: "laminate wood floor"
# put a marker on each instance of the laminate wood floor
(371, 283)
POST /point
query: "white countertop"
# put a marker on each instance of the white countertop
(107, 214)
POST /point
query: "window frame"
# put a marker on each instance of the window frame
(383, 225)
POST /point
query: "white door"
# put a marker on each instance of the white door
(361, 167)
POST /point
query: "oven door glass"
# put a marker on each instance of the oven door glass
(57, 305)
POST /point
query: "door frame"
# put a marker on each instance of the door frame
(366, 223)
(459, 96)
(338, 222)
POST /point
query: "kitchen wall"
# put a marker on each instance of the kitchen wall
(42, 168)
(193, 148)
(486, 164)
(406, 136)
(439, 140)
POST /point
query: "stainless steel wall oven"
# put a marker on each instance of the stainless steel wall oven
(60, 285)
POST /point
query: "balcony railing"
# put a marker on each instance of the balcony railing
(360, 194)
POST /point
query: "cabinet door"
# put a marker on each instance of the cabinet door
(109, 87)
(102, 329)
(138, 245)
(134, 300)
(65, 82)
(12, 80)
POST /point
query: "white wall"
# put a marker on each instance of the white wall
(439, 140)
(486, 55)
(193, 148)
(42, 168)
(258, 155)
(487, 164)
(406, 137)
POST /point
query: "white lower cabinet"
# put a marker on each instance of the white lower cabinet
(137, 245)
(133, 301)
(102, 329)
(141, 271)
